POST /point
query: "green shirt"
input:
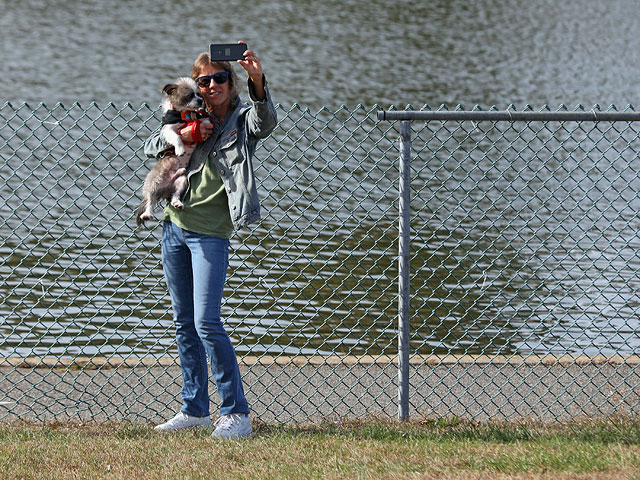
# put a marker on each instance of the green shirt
(206, 207)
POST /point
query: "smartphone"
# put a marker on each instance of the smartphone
(225, 52)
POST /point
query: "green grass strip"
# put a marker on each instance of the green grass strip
(363, 449)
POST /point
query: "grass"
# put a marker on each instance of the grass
(372, 449)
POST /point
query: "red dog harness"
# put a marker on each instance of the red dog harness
(190, 119)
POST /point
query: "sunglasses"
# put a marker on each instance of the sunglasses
(205, 80)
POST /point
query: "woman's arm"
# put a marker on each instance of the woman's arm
(155, 145)
(262, 118)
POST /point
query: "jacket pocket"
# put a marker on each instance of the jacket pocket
(231, 149)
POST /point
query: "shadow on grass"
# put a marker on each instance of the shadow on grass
(620, 430)
(617, 430)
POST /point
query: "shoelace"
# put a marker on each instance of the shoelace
(227, 421)
(178, 418)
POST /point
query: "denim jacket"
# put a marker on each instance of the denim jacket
(232, 152)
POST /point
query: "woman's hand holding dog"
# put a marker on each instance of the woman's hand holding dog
(205, 128)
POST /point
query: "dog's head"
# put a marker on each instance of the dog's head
(183, 94)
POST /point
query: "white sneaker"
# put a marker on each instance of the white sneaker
(182, 420)
(235, 425)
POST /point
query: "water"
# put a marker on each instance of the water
(324, 54)
(330, 53)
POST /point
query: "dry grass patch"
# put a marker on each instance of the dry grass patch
(372, 449)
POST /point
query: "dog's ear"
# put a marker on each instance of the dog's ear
(169, 88)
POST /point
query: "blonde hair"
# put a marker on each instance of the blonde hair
(204, 60)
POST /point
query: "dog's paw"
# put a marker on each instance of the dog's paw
(179, 150)
(177, 204)
(140, 220)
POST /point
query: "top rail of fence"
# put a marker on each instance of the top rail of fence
(510, 116)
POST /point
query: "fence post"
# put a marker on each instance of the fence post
(403, 269)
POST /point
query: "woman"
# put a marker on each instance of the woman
(221, 197)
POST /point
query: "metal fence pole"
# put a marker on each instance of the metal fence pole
(403, 270)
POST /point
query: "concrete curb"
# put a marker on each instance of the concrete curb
(301, 389)
(101, 362)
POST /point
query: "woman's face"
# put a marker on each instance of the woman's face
(216, 94)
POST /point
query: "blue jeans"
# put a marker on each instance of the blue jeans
(195, 267)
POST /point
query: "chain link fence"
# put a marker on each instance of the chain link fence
(523, 269)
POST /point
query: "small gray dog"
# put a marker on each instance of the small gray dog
(182, 105)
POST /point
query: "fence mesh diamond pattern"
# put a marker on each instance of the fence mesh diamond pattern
(523, 268)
